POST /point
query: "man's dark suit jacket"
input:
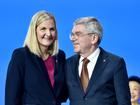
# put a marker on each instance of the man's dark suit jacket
(28, 81)
(108, 84)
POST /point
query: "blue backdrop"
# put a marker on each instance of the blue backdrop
(120, 19)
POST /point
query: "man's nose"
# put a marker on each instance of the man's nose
(72, 38)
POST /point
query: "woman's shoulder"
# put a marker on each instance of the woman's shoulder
(19, 52)
(18, 55)
(61, 54)
(20, 49)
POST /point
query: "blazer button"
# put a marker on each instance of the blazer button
(54, 102)
(85, 99)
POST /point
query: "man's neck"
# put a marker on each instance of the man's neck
(85, 55)
(135, 103)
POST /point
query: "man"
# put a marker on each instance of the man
(94, 76)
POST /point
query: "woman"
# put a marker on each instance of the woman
(134, 84)
(36, 71)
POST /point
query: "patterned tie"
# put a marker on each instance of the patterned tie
(84, 74)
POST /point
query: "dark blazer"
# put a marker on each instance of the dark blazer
(28, 82)
(108, 84)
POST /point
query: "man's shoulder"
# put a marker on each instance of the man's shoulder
(73, 57)
(110, 55)
(115, 56)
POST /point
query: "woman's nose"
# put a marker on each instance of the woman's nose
(48, 33)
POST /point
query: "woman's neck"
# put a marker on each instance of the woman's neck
(44, 54)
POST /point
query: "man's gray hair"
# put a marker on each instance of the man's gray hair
(92, 25)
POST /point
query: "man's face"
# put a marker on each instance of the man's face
(82, 41)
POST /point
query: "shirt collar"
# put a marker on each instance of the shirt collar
(91, 56)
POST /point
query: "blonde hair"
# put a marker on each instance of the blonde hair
(31, 40)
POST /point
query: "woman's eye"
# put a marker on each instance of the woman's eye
(43, 28)
(52, 29)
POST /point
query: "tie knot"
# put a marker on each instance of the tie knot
(85, 61)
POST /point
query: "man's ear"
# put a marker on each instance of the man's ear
(95, 39)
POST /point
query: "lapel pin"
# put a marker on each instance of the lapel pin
(104, 60)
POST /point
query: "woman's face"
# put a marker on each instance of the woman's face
(135, 91)
(46, 33)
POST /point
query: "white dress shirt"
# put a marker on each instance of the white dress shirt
(91, 65)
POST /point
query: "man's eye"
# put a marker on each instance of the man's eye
(78, 33)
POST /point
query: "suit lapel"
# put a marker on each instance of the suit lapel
(98, 70)
(75, 71)
(59, 61)
(38, 62)
(75, 66)
(56, 74)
